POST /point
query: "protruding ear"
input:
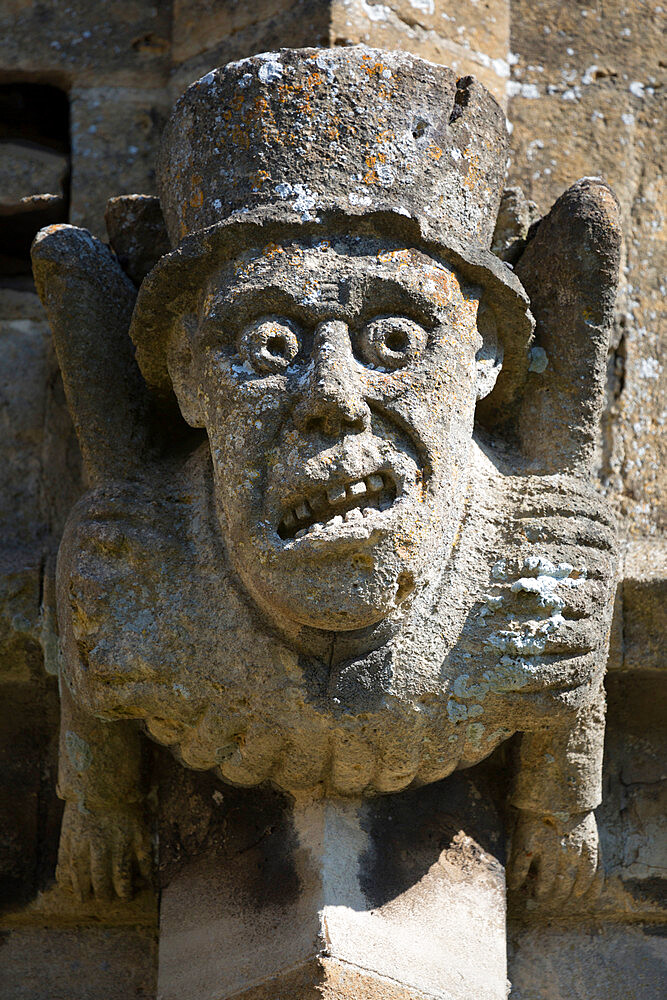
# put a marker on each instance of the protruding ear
(89, 302)
(183, 370)
(570, 271)
(489, 358)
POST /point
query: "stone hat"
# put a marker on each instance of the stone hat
(302, 141)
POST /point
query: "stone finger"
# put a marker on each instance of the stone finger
(100, 873)
(520, 862)
(121, 866)
(588, 866)
(80, 869)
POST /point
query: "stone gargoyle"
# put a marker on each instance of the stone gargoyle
(378, 554)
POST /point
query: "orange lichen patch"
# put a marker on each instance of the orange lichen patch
(402, 258)
(258, 178)
(272, 250)
(434, 151)
(472, 177)
(240, 137)
(371, 177)
(446, 285)
(197, 195)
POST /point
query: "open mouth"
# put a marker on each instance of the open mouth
(344, 502)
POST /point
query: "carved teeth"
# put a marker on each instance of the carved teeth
(336, 494)
(356, 501)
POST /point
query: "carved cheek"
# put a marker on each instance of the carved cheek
(246, 417)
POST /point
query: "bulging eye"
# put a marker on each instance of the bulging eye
(391, 341)
(270, 344)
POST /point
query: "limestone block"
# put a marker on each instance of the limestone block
(198, 25)
(115, 134)
(296, 23)
(29, 811)
(632, 816)
(26, 169)
(79, 964)
(26, 364)
(426, 30)
(644, 605)
(386, 899)
(137, 233)
(587, 96)
(614, 963)
(469, 40)
(623, 41)
(118, 43)
(631, 819)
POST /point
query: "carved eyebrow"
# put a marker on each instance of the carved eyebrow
(367, 295)
(245, 304)
(394, 296)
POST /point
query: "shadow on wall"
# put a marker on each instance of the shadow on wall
(34, 168)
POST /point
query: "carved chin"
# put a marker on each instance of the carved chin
(348, 573)
(350, 594)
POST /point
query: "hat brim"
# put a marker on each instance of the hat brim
(172, 287)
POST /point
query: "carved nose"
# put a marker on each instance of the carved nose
(332, 402)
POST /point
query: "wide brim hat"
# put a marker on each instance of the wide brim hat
(303, 144)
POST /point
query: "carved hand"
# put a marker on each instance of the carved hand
(560, 854)
(102, 852)
(570, 271)
(89, 301)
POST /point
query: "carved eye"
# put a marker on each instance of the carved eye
(391, 341)
(270, 344)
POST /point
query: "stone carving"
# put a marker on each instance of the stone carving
(378, 554)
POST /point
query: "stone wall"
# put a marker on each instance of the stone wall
(587, 96)
(584, 88)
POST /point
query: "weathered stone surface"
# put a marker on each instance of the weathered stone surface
(612, 963)
(29, 810)
(137, 233)
(516, 214)
(330, 550)
(99, 116)
(577, 244)
(295, 23)
(115, 44)
(27, 170)
(431, 149)
(27, 367)
(453, 36)
(207, 35)
(634, 829)
(587, 96)
(200, 25)
(388, 894)
(644, 603)
(80, 964)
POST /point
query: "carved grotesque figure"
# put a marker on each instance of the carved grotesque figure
(377, 556)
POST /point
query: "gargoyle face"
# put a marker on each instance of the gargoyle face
(337, 384)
